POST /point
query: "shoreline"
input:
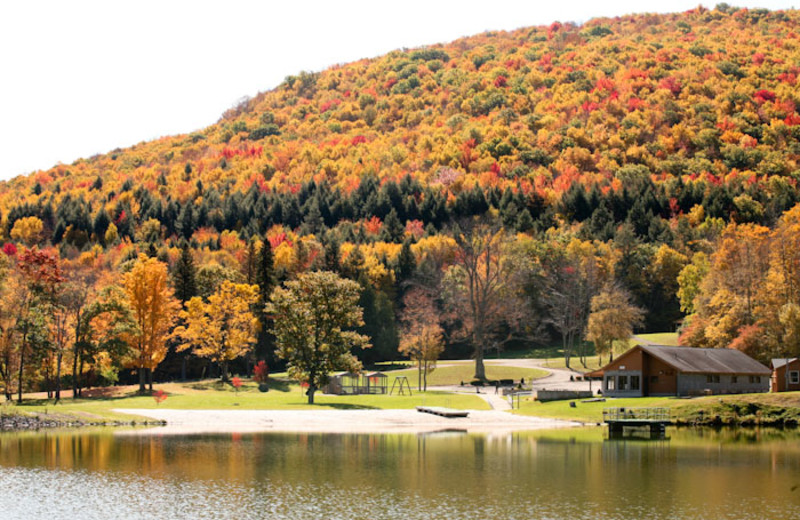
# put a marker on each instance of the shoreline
(185, 422)
(37, 422)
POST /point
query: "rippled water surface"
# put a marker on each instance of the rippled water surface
(563, 474)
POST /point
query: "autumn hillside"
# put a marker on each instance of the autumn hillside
(641, 143)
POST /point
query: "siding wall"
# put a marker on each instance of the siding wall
(657, 378)
(629, 364)
(665, 382)
(617, 391)
(779, 378)
(693, 384)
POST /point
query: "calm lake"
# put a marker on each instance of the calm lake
(571, 474)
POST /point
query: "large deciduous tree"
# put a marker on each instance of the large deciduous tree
(40, 276)
(612, 318)
(574, 273)
(102, 335)
(312, 315)
(222, 329)
(748, 295)
(422, 339)
(730, 298)
(484, 289)
(155, 309)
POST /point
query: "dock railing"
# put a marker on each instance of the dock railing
(640, 415)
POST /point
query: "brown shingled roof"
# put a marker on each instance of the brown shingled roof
(707, 360)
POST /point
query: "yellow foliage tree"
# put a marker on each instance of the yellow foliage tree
(424, 346)
(222, 329)
(155, 309)
(111, 235)
(27, 230)
(730, 292)
(612, 319)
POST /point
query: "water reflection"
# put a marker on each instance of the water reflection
(558, 474)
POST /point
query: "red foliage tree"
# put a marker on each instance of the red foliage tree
(159, 396)
(261, 372)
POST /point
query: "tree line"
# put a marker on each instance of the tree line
(132, 313)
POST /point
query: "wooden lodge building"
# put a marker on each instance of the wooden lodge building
(781, 381)
(663, 371)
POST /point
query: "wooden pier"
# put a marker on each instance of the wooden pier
(442, 412)
(617, 419)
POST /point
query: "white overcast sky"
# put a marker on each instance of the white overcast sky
(79, 78)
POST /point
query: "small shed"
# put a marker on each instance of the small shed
(349, 383)
(662, 371)
(785, 375)
(375, 383)
(342, 383)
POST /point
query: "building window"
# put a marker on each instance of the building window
(755, 379)
(712, 378)
(623, 382)
(734, 379)
(634, 382)
(610, 383)
(794, 377)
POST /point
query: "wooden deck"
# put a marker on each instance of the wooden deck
(618, 419)
(442, 412)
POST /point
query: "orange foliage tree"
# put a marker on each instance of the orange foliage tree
(155, 310)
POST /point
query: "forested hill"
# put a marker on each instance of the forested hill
(643, 136)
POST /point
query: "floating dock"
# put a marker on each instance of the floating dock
(656, 419)
(442, 412)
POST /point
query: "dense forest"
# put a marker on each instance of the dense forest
(649, 157)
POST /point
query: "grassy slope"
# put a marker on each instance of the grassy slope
(728, 409)
(661, 338)
(592, 363)
(454, 374)
(555, 355)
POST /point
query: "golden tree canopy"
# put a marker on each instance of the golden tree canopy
(612, 318)
(224, 328)
(155, 309)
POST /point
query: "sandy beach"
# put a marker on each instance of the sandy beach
(182, 422)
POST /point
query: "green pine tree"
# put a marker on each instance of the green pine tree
(266, 280)
(406, 263)
(184, 275)
(393, 229)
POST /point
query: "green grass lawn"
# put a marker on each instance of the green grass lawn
(213, 395)
(553, 356)
(669, 339)
(552, 350)
(585, 412)
(729, 408)
(450, 373)
(554, 353)
(592, 363)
